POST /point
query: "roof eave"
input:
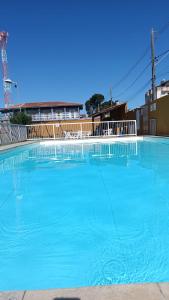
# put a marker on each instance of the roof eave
(108, 109)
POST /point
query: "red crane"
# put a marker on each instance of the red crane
(7, 83)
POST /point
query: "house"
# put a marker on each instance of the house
(114, 112)
(152, 117)
(158, 116)
(161, 90)
(45, 111)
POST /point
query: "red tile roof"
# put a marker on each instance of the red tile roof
(42, 104)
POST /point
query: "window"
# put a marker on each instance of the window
(107, 115)
(145, 119)
(32, 111)
(163, 92)
(153, 107)
(153, 126)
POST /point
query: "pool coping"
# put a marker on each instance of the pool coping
(146, 291)
(79, 141)
(15, 145)
(63, 142)
(92, 140)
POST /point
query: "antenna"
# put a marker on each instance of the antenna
(153, 60)
(111, 98)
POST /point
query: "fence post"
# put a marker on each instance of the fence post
(26, 128)
(81, 130)
(135, 127)
(19, 133)
(108, 128)
(54, 136)
(10, 132)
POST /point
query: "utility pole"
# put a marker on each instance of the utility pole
(153, 60)
(111, 98)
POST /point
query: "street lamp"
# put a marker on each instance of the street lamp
(10, 82)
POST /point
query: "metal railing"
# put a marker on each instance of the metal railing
(81, 130)
(55, 116)
(11, 133)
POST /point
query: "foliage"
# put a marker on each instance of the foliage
(89, 107)
(94, 103)
(20, 118)
(107, 104)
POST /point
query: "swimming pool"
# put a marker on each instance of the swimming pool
(84, 214)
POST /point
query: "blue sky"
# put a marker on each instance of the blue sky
(67, 50)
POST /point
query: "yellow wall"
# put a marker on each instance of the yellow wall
(47, 130)
(161, 114)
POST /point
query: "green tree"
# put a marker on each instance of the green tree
(94, 103)
(20, 118)
(89, 108)
(107, 104)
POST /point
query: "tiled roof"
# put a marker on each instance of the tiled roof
(43, 104)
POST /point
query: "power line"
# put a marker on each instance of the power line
(163, 53)
(143, 87)
(139, 91)
(123, 78)
(163, 56)
(135, 80)
(161, 74)
(161, 31)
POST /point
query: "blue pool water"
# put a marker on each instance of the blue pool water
(82, 215)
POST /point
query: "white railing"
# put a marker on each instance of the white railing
(55, 116)
(81, 130)
(11, 133)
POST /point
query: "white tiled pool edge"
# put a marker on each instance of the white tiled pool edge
(92, 140)
(102, 140)
(15, 145)
(150, 291)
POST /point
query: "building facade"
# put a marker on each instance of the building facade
(45, 111)
(152, 117)
(114, 112)
(161, 90)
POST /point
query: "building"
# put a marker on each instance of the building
(152, 117)
(161, 91)
(158, 116)
(45, 111)
(114, 112)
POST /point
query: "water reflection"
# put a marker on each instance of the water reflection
(67, 153)
(107, 201)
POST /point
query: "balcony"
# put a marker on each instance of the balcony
(55, 116)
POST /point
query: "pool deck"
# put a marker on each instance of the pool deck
(103, 140)
(15, 145)
(79, 141)
(150, 291)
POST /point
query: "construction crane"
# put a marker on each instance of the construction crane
(7, 83)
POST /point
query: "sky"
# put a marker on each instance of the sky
(67, 50)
